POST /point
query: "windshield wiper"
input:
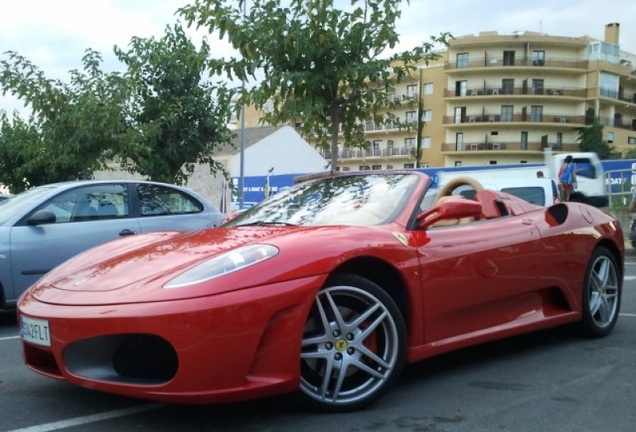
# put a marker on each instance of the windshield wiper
(264, 223)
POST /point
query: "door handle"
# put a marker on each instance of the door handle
(126, 232)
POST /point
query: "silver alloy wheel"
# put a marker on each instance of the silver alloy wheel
(350, 348)
(603, 296)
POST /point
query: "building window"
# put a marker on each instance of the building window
(368, 125)
(609, 85)
(508, 58)
(462, 60)
(492, 162)
(458, 163)
(409, 166)
(428, 89)
(538, 58)
(344, 168)
(409, 142)
(536, 113)
(411, 117)
(559, 141)
(537, 86)
(631, 140)
(507, 86)
(411, 91)
(610, 137)
(425, 165)
(426, 142)
(364, 168)
(459, 141)
(506, 113)
(389, 167)
(427, 115)
(461, 87)
(377, 147)
(376, 167)
(524, 140)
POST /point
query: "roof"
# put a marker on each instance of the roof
(252, 136)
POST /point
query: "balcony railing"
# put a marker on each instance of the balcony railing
(490, 62)
(508, 146)
(369, 153)
(619, 123)
(525, 91)
(515, 118)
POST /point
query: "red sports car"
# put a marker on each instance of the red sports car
(326, 289)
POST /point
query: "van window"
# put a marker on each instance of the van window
(533, 194)
(584, 168)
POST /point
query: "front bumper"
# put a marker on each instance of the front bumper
(222, 348)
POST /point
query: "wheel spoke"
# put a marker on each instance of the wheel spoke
(371, 328)
(363, 317)
(373, 356)
(340, 322)
(595, 303)
(373, 372)
(329, 368)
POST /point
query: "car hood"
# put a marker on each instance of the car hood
(134, 269)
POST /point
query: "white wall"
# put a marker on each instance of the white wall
(284, 150)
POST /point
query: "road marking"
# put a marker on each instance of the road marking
(9, 338)
(78, 421)
(629, 277)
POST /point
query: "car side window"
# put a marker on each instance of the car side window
(157, 200)
(90, 203)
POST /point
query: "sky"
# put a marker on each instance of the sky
(54, 34)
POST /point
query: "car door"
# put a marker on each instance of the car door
(478, 275)
(86, 216)
(161, 208)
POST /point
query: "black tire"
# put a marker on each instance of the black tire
(601, 299)
(354, 346)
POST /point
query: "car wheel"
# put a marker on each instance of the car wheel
(354, 346)
(601, 295)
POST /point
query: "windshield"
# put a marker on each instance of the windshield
(366, 200)
(22, 201)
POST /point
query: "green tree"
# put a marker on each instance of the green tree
(72, 126)
(320, 65)
(177, 117)
(20, 145)
(590, 139)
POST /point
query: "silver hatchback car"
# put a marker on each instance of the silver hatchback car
(44, 226)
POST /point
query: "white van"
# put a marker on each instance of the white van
(540, 191)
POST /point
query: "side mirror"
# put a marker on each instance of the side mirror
(42, 217)
(450, 209)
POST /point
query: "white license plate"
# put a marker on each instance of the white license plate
(35, 331)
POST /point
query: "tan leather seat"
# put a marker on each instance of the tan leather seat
(451, 222)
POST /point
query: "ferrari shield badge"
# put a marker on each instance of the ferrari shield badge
(401, 238)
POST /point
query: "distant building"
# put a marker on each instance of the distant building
(496, 99)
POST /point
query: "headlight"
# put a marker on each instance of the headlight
(221, 265)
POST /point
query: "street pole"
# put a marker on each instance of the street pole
(242, 157)
(420, 125)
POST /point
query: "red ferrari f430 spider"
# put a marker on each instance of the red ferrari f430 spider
(326, 289)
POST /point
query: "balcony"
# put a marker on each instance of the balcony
(515, 118)
(350, 153)
(507, 146)
(619, 123)
(517, 91)
(498, 62)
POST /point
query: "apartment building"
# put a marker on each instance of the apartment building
(496, 99)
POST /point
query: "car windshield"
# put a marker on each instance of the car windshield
(20, 202)
(369, 199)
